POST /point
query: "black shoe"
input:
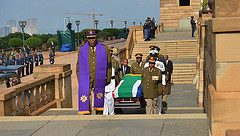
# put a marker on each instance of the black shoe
(164, 104)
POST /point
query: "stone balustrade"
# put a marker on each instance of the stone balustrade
(48, 90)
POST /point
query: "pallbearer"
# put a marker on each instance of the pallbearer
(41, 57)
(31, 61)
(51, 57)
(137, 67)
(36, 58)
(94, 70)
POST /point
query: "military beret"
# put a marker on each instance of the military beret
(91, 33)
(152, 46)
(152, 60)
(138, 55)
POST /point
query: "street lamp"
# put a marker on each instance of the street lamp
(111, 21)
(22, 24)
(134, 23)
(125, 24)
(96, 23)
(77, 22)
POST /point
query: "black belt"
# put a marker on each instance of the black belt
(113, 77)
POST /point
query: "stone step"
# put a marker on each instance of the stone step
(68, 112)
(182, 82)
(184, 110)
(168, 52)
(183, 71)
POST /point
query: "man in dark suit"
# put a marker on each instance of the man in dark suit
(53, 47)
(169, 70)
(125, 68)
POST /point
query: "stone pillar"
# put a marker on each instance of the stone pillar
(63, 84)
(222, 67)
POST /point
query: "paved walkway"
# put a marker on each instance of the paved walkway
(98, 125)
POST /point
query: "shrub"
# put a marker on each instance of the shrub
(55, 41)
(33, 42)
(15, 42)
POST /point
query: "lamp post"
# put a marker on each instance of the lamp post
(111, 21)
(77, 22)
(22, 24)
(96, 23)
(134, 23)
(125, 24)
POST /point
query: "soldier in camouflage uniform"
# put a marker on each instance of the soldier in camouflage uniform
(137, 67)
(93, 41)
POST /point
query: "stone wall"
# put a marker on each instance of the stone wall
(175, 17)
(221, 67)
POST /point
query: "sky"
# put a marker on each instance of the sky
(50, 19)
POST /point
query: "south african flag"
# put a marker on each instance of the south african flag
(129, 86)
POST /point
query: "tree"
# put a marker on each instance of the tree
(104, 34)
(113, 31)
(43, 37)
(15, 42)
(55, 41)
(33, 42)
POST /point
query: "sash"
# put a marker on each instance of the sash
(84, 79)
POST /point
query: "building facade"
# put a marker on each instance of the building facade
(176, 14)
(31, 27)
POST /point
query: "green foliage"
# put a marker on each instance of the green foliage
(17, 35)
(55, 41)
(204, 3)
(113, 31)
(104, 34)
(15, 42)
(33, 42)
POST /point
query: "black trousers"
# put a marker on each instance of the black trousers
(152, 33)
(27, 69)
(36, 63)
(22, 72)
(19, 72)
(31, 68)
(41, 62)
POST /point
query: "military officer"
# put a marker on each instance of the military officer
(1, 57)
(31, 61)
(115, 66)
(93, 64)
(151, 85)
(41, 57)
(6, 55)
(6, 61)
(1, 62)
(51, 57)
(36, 58)
(137, 67)
(13, 57)
(18, 62)
(11, 61)
(22, 63)
(26, 60)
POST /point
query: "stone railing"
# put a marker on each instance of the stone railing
(48, 90)
(135, 34)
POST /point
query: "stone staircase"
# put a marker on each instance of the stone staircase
(180, 49)
(183, 72)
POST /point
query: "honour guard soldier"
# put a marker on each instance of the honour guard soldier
(41, 57)
(13, 57)
(18, 62)
(6, 55)
(26, 60)
(6, 61)
(137, 67)
(1, 57)
(22, 63)
(36, 58)
(193, 24)
(31, 61)
(115, 66)
(94, 72)
(160, 65)
(1, 62)
(151, 85)
(11, 61)
(51, 57)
